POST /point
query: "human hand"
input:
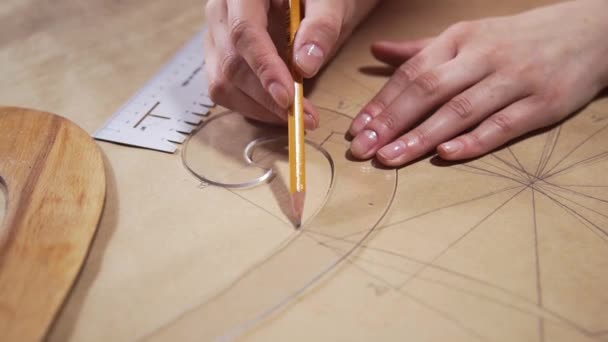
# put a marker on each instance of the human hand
(500, 77)
(245, 48)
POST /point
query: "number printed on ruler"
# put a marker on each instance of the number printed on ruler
(167, 108)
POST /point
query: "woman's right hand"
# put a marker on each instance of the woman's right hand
(245, 49)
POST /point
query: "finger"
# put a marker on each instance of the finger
(397, 53)
(318, 35)
(243, 77)
(425, 93)
(312, 118)
(519, 118)
(461, 112)
(236, 70)
(246, 106)
(439, 52)
(215, 14)
(248, 34)
(226, 94)
(210, 65)
(220, 90)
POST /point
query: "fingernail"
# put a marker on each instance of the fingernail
(363, 143)
(393, 151)
(451, 147)
(309, 59)
(359, 123)
(310, 121)
(279, 94)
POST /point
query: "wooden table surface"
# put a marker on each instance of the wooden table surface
(150, 260)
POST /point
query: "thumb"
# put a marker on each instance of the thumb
(318, 35)
(397, 53)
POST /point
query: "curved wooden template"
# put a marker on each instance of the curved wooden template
(55, 181)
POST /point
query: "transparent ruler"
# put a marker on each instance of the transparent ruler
(167, 108)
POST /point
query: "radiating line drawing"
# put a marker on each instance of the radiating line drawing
(539, 181)
(544, 195)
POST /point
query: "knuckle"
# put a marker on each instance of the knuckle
(421, 137)
(388, 121)
(410, 70)
(270, 104)
(263, 64)
(461, 106)
(217, 90)
(328, 27)
(240, 30)
(505, 78)
(401, 76)
(428, 83)
(462, 28)
(549, 105)
(230, 65)
(474, 142)
(529, 75)
(377, 105)
(552, 96)
(503, 123)
(492, 54)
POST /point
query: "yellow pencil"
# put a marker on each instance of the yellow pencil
(297, 163)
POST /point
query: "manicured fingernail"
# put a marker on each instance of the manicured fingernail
(393, 151)
(451, 146)
(279, 94)
(363, 143)
(309, 59)
(359, 123)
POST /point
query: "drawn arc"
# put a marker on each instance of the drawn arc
(300, 262)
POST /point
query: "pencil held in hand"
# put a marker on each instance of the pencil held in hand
(297, 162)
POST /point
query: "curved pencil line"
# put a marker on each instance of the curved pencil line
(390, 225)
(457, 274)
(246, 326)
(277, 307)
(419, 301)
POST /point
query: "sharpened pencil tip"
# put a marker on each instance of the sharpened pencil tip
(297, 202)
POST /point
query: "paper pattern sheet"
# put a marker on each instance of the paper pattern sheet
(509, 247)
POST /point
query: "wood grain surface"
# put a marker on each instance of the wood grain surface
(55, 181)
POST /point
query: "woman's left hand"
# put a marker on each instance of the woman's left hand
(500, 77)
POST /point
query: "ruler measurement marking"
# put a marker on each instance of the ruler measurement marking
(178, 93)
(159, 116)
(145, 116)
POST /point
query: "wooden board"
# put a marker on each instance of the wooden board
(166, 244)
(55, 180)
